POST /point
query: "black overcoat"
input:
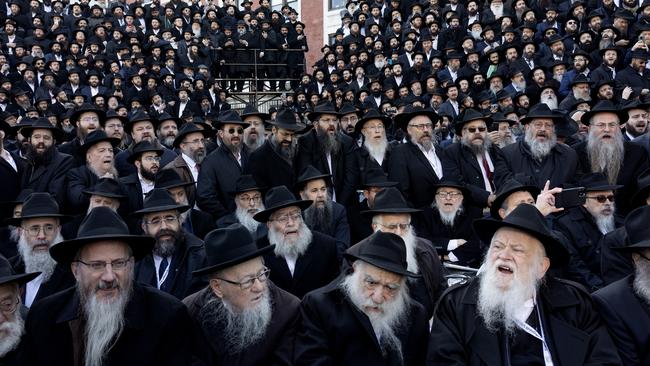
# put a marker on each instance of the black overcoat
(269, 169)
(410, 168)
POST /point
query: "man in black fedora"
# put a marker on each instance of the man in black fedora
(391, 214)
(107, 318)
(373, 181)
(86, 119)
(40, 223)
(9, 234)
(146, 158)
(248, 201)
(375, 150)
(254, 133)
(330, 151)
(514, 312)
(194, 221)
(624, 304)
(367, 315)
(46, 167)
(99, 162)
(176, 253)
(635, 74)
(538, 154)
(605, 151)
(220, 169)
(244, 317)
(303, 260)
(272, 164)
(324, 215)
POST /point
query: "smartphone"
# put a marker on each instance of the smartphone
(571, 197)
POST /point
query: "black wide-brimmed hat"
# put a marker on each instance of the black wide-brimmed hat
(348, 108)
(23, 195)
(112, 114)
(143, 147)
(511, 186)
(246, 183)
(541, 110)
(168, 179)
(597, 182)
(41, 124)
(528, 219)
(159, 199)
(102, 224)
(410, 112)
(228, 247)
(87, 107)
(637, 229)
(390, 201)
(7, 274)
(231, 117)
(287, 120)
(643, 189)
(386, 251)
(139, 117)
(6, 128)
(251, 111)
(448, 182)
(470, 115)
(500, 117)
(604, 106)
(187, 129)
(106, 187)
(278, 198)
(94, 138)
(322, 108)
(168, 117)
(370, 115)
(376, 177)
(38, 205)
(308, 174)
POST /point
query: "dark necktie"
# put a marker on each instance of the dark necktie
(161, 270)
(489, 173)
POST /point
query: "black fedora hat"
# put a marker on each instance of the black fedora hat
(187, 129)
(528, 219)
(7, 274)
(500, 117)
(168, 179)
(390, 201)
(468, 116)
(41, 124)
(376, 177)
(106, 187)
(286, 119)
(323, 108)
(581, 79)
(112, 114)
(348, 108)
(511, 186)
(87, 107)
(229, 246)
(143, 147)
(164, 116)
(6, 128)
(371, 115)
(159, 199)
(101, 224)
(597, 182)
(251, 111)
(643, 184)
(278, 198)
(308, 174)
(94, 138)
(382, 250)
(448, 182)
(39, 204)
(23, 195)
(637, 229)
(410, 112)
(140, 116)
(604, 106)
(231, 117)
(246, 183)
(541, 110)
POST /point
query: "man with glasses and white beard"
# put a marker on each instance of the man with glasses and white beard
(40, 223)
(367, 315)
(107, 318)
(625, 304)
(515, 313)
(249, 201)
(243, 316)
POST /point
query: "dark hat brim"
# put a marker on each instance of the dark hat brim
(91, 192)
(377, 262)
(19, 279)
(300, 184)
(210, 269)
(65, 251)
(83, 149)
(180, 208)
(640, 196)
(607, 187)
(263, 216)
(179, 138)
(16, 221)
(28, 130)
(498, 201)
(134, 156)
(395, 210)
(384, 119)
(622, 115)
(295, 127)
(402, 119)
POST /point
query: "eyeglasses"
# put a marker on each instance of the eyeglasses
(89, 119)
(602, 198)
(423, 126)
(375, 128)
(602, 125)
(239, 130)
(100, 266)
(152, 159)
(393, 227)
(284, 219)
(195, 142)
(474, 129)
(247, 198)
(158, 220)
(36, 229)
(452, 195)
(248, 282)
(547, 126)
(349, 119)
(9, 306)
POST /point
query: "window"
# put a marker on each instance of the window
(337, 4)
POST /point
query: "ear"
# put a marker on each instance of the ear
(215, 285)
(502, 213)
(546, 263)
(74, 267)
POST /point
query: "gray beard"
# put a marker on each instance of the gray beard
(167, 247)
(579, 95)
(642, 279)
(240, 329)
(99, 174)
(449, 219)
(376, 149)
(605, 223)
(168, 141)
(320, 218)
(329, 143)
(539, 150)
(606, 158)
(38, 262)
(12, 333)
(520, 86)
(507, 141)
(254, 142)
(497, 11)
(291, 248)
(246, 219)
(477, 149)
(550, 102)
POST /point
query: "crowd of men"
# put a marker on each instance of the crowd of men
(145, 221)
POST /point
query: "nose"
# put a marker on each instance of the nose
(108, 275)
(378, 295)
(258, 286)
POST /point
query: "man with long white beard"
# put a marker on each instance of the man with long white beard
(547, 96)
(367, 316)
(324, 215)
(375, 149)
(176, 254)
(392, 214)
(254, 134)
(303, 260)
(106, 319)
(625, 304)
(245, 318)
(249, 201)
(538, 155)
(515, 313)
(40, 224)
(605, 151)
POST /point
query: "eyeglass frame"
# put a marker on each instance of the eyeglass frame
(168, 219)
(245, 285)
(601, 198)
(94, 266)
(40, 228)
(284, 219)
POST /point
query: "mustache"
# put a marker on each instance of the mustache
(105, 285)
(164, 232)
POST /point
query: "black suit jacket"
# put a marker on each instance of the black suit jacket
(79, 179)
(269, 168)
(410, 168)
(50, 178)
(201, 223)
(11, 179)
(60, 280)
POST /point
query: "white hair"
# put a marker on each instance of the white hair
(606, 158)
(40, 261)
(376, 149)
(538, 149)
(291, 248)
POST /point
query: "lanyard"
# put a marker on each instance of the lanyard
(548, 360)
(162, 279)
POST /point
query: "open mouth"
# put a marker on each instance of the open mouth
(292, 232)
(40, 247)
(505, 269)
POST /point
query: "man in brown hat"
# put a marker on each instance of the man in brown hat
(244, 317)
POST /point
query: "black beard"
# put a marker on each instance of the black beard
(329, 144)
(148, 174)
(44, 158)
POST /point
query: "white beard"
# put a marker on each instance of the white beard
(580, 95)
(520, 86)
(291, 248)
(476, 35)
(448, 218)
(605, 223)
(376, 149)
(246, 219)
(11, 334)
(539, 150)
(39, 261)
(497, 11)
(606, 158)
(550, 101)
(642, 279)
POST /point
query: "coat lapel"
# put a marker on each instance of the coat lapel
(423, 159)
